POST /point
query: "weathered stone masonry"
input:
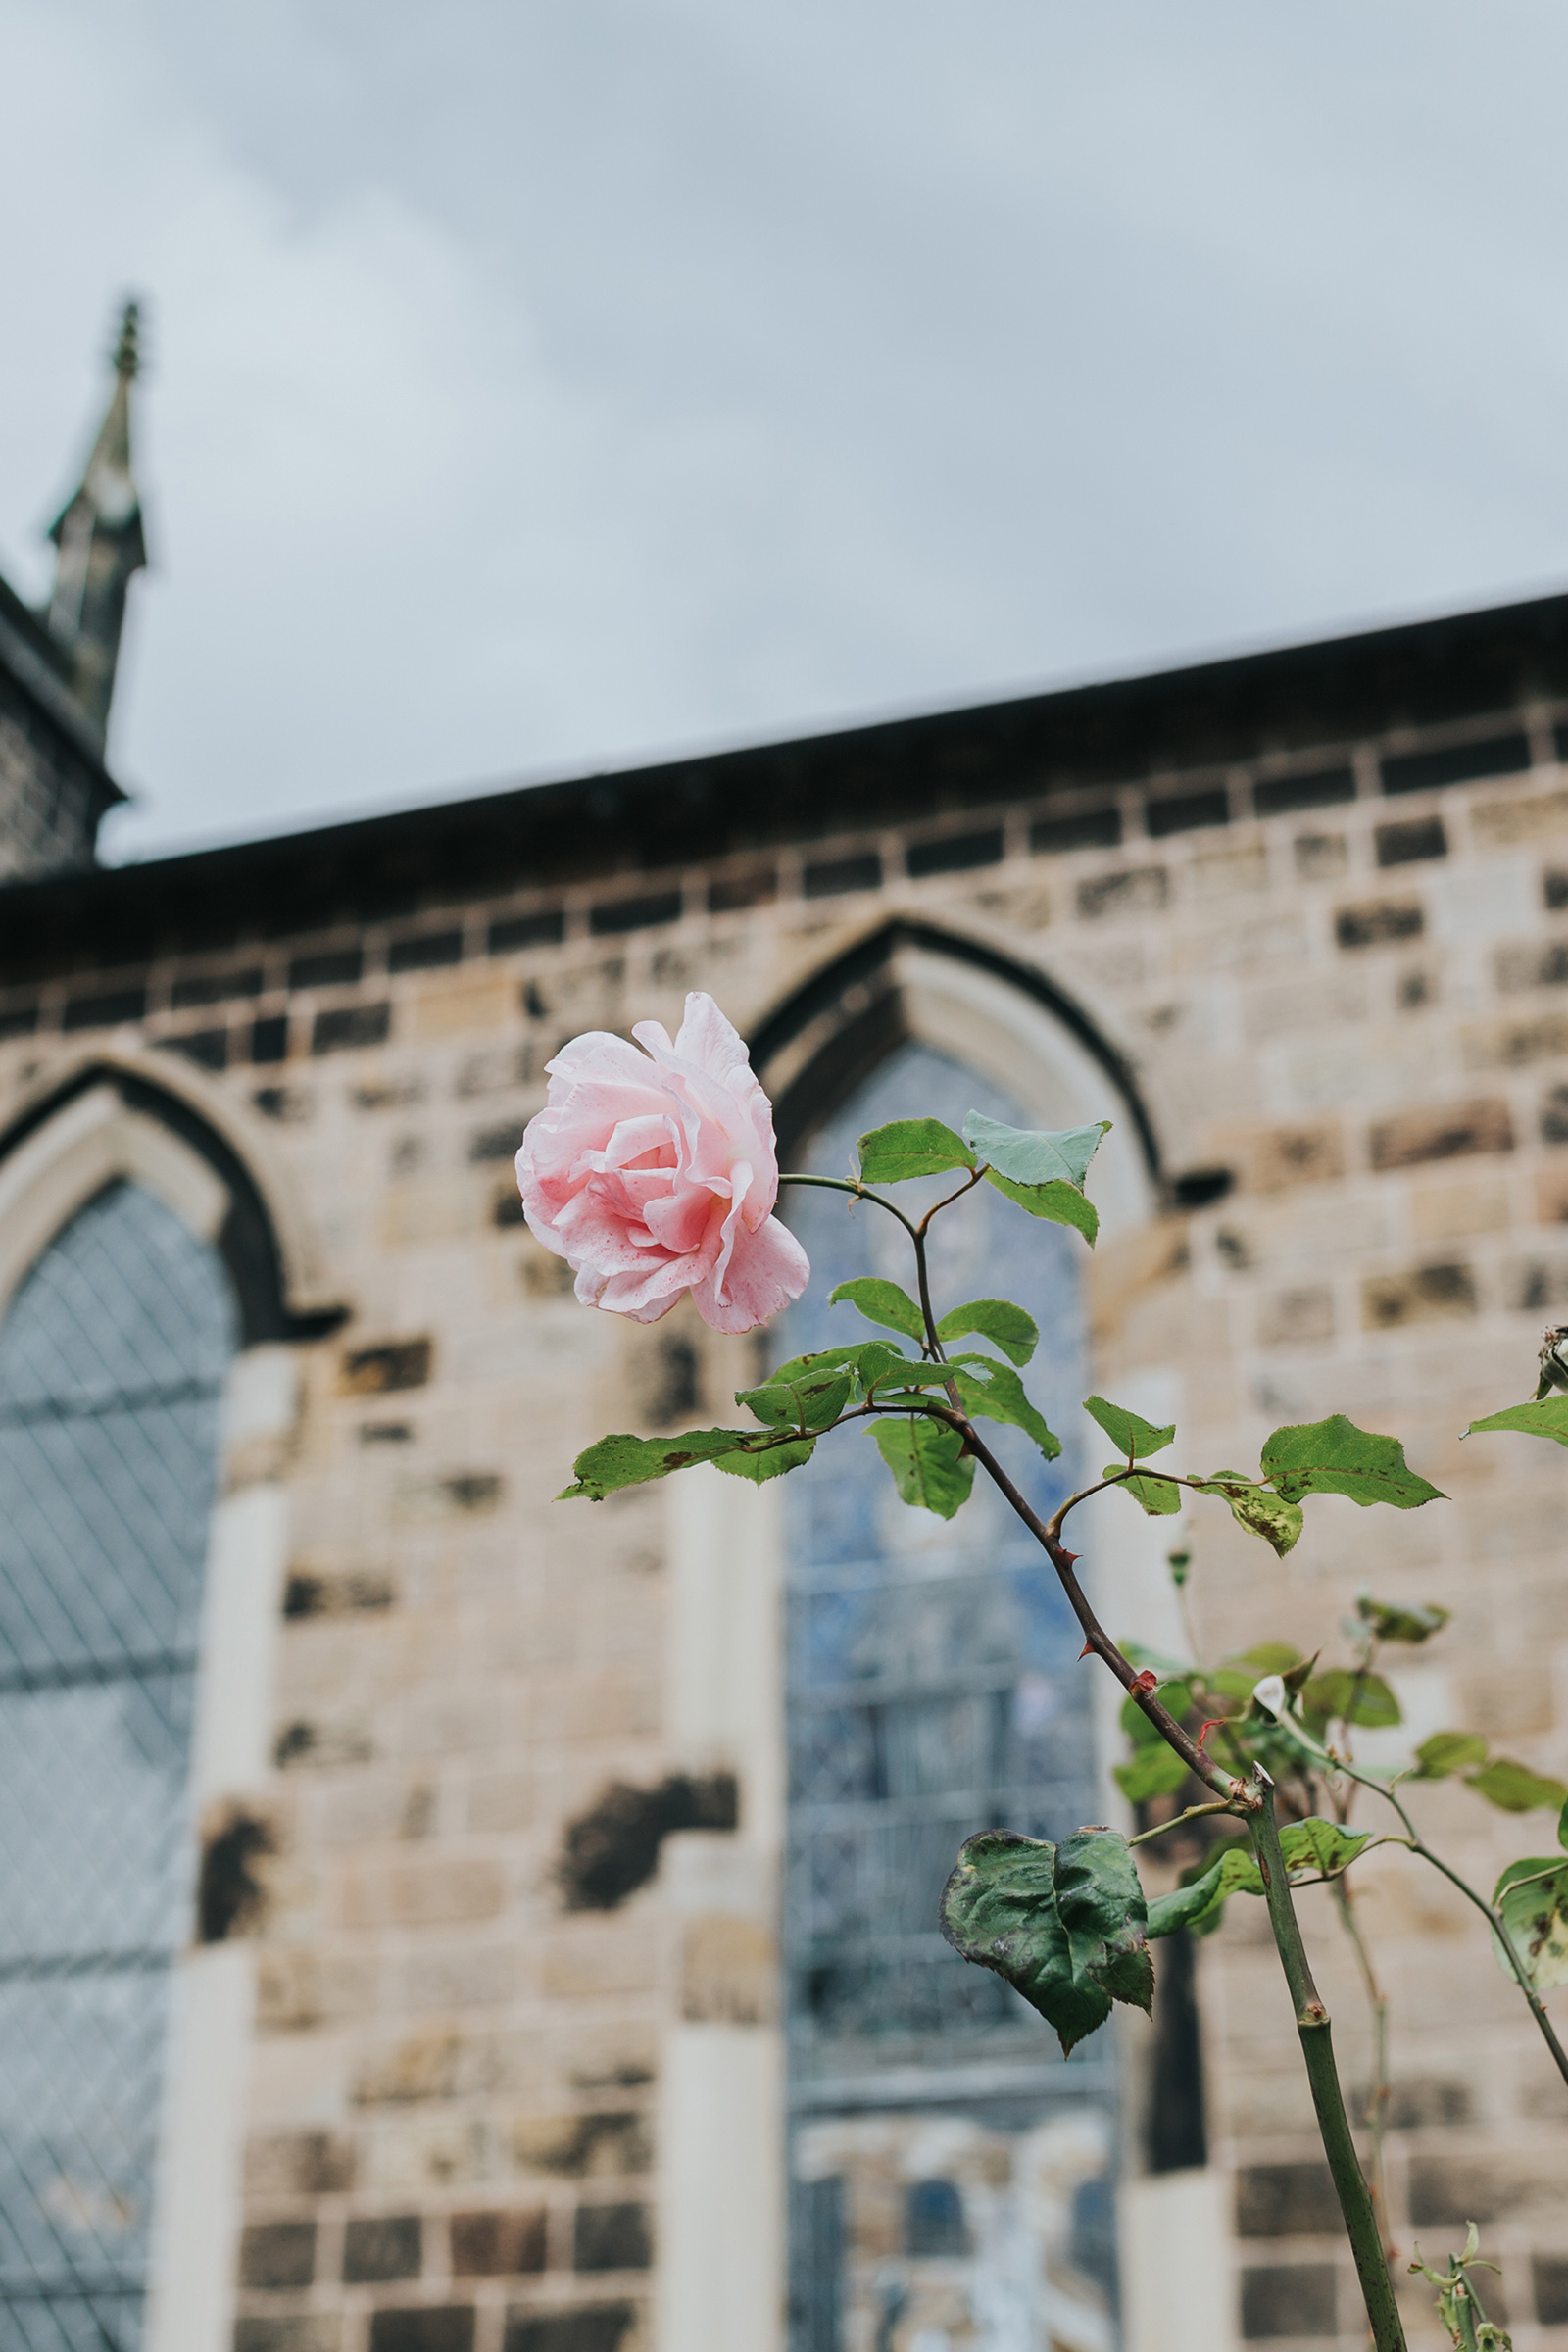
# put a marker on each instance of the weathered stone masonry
(1315, 909)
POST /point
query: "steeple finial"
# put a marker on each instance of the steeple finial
(127, 356)
(99, 536)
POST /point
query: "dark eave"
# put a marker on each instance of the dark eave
(1421, 674)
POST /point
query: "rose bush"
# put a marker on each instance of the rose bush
(656, 1172)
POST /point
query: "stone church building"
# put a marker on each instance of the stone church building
(435, 1918)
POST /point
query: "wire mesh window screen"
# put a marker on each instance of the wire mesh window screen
(112, 1357)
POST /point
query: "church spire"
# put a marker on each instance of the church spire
(99, 538)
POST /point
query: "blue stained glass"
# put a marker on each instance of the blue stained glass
(932, 1671)
(113, 1356)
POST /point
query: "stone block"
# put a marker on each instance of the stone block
(607, 2144)
(380, 2248)
(591, 2327)
(1378, 923)
(1270, 1158)
(424, 2328)
(1507, 824)
(300, 2332)
(1430, 1295)
(1289, 2298)
(277, 2254)
(1532, 1285)
(611, 2237)
(1508, 1702)
(1446, 1213)
(422, 2066)
(428, 1893)
(299, 2164)
(1140, 890)
(498, 2245)
(1320, 857)
(442, 2151)
(1448, 1130)
(1297, 1318)
(502, 1800)
(1285, 2200)
(459, 1006)
(1531, 963)
(298, 1986)
(1549, 2280)
(601, 1706)
(380, 1370)
(729, 1972)
(1221, 873)
(456, 1494)
(462, 1975)
(1513, 1044)
(1477, 2186)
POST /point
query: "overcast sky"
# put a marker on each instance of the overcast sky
(538, 386)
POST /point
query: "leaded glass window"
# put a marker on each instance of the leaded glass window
(113, 1356)
(933, 1689)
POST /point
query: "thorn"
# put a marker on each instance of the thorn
(1087, 1650)
(1149, 1680)
(1211, 1725)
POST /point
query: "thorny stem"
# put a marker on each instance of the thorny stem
(1315, 2028)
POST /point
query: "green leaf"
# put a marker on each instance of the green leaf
(882, 1369)
(996, 1393)
(628, 1461)
(1133, 1435)
(882, 1303)
(1334, 1457)
(1155, 1771)
(923, 1457)
(1311, 1846)
(813, 1402)
(1514, 1788)
(1198, 1902)
(1446, 1752)
(1547, 1420)
(909, 1147)
(1058, 1203)
(1315, 1845)
(772, 1463)
(822, 1359)
(1064, 1924)
(1341, 1695)
(1258, 1509)
(1031, 1157)
(998, 1320)
(1392, 1622)
(1536, 1916)
(1562, 1825)
(1160, 1497)
(1269, 1657)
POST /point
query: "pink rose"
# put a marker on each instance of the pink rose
(655, 1173)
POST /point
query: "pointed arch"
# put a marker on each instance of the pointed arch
(912, 980)
(110, 1118)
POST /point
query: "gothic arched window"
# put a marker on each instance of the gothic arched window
(112, 1357)
(932, 1689)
